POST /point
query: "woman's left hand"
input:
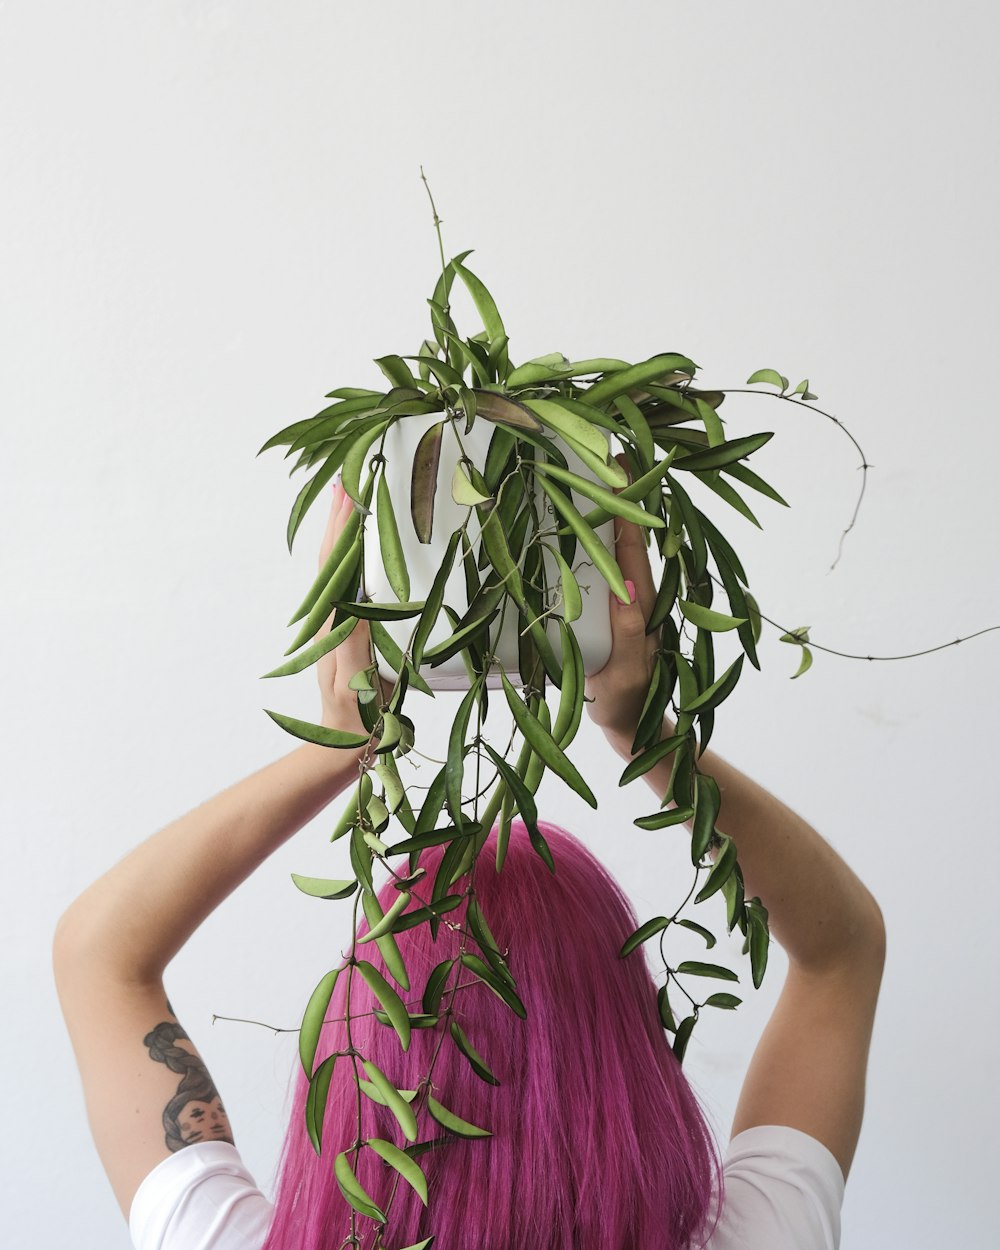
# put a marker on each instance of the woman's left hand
(335, 669)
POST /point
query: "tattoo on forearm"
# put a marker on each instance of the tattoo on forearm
(195, 1113)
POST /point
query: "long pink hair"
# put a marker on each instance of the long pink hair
(598, 1141)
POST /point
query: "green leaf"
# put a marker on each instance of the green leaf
(743, 473)
(771, 376)
(501, 987)
(421, 1245)
(570, 425)
(725, 863)
(435, 597)
(699, 928)
(319, 1090)
(805, 665)
(462, 490)
(341, 582)
(660, 820)
(485, 305)
(312, 1019)
(719, 690)
(572, 598)
(391, 1097)
(759, 936)
(544, 745)
(636, 376)
(643, 934)
(707, 801)
(663, 1007)
(385, 924)
(643, 763)
(320, 887)
(695, 969)
(396, 371)
(389, 999)
(354, 460)
(725, 453)
(318, 733)
(423, 480)
(712, 422)
(523, 797)
(603, 560)
(476, 1061)
(455, 763)
(435, 985)
(329, 642)
(706, 618)
(722, 1000)
(408, 1168)
(352, 1189)
(607, 499)
(453, 1123)
(682, 1037)
(391, 548)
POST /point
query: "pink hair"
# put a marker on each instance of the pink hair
(598, 1141)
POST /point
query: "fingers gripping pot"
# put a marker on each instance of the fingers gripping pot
(592, 627)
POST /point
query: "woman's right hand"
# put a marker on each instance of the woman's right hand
(619, 690)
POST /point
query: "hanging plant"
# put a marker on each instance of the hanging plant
(478, 550)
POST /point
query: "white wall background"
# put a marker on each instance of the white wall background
(212, 215)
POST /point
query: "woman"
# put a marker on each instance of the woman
(597, 1140)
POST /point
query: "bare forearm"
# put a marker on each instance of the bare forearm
(819, 910)
(135, 918)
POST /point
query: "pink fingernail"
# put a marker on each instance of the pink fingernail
(630, 587)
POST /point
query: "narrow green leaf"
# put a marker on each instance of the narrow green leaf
(393, 559)
(435, 985)
(391, 1097)
(607, 499)
(497, 984)
(643, 934)
(408, 1168)
(725, 453)
(699, 928)
(385, 924)
(312, 1019)
(663, 1007)
(435, 597)
(759, 936)
(572, 606)
(660, 820)
(603, 560)
(706, 618)
(722, 1000)
(570, 425)
(476, 1061)
(682, 1037)
(483, 300)
(707, 801)
(453, 1123)
(643, 763)
(352, 1189)
(544, 745)
(636, 376)
(695, 969)
(389, 999)
(321, 887)
(719, 690)
(319, 1090)
(318, 733)
(725, 863)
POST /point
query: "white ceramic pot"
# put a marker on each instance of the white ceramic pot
(592, 627)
